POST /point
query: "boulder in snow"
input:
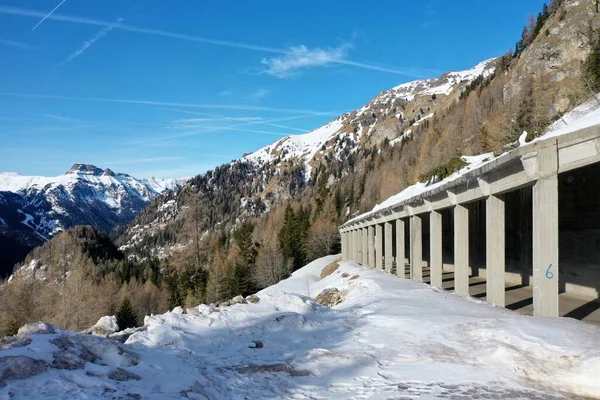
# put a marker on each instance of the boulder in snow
(66, 360)
(237, 300)
(253, 299)
(177, 310)
(105, 326)
(96, 350)
(10, 342)
(36, 328)
(272, 368)
(122, 375)
(20, 367)
(330, 297)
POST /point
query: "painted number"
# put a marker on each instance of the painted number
(549, 274)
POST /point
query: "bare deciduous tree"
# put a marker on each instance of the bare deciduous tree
(270, 267)
(323, 239)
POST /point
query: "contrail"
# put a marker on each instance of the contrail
(16, 44)
(259, 122)
(171, 104)
(48, 15)
(88, 43)
(216, 42)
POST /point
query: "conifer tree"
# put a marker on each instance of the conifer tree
(243, 239)
(591, 68)
(126, 317)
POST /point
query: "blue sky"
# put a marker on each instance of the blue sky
(171, 88)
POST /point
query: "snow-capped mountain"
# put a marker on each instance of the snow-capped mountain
(34, 208)
(363, 121)
(281, 171)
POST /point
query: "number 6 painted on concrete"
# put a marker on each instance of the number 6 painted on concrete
(549, 274)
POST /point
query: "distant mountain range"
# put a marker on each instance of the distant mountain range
(34, 208)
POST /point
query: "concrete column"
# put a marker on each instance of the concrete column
(346, 244)
(363, 247)
(356, 245)
(371, 246)
(495, 251)
(378, 246)
(461, 250)
(545, 236)
(343, 244)
(353, 245)
(388, 247)
(416, 248)
(400, 256)
(435, 248)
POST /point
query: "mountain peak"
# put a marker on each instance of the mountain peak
(108, 172)
(85, 169)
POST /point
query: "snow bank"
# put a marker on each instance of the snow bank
(389, 338)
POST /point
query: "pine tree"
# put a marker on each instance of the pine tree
(11, 328)
(240, 281)
(591, 68)
(286, 234)
(126, 317)
(243, 239)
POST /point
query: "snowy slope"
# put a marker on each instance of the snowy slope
(389, 338)
(306, 146)
(445, 83)
(303, 147)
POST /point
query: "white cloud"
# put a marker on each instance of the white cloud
(60, 117)
(301, 57)
(259, 94)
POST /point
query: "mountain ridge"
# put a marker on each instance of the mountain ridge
(34, 208)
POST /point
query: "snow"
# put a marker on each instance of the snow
(303, 146)
(445, 84)
(29, 222)
(11, 182)
(583, 116)
(389, 338)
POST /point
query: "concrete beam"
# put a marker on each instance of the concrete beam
(495, 250)
(364, 247)
(435, 248)
(416, 248)
(461, 250)
(379, 246)
(400, 243)
(545, 236)
(389, 246)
